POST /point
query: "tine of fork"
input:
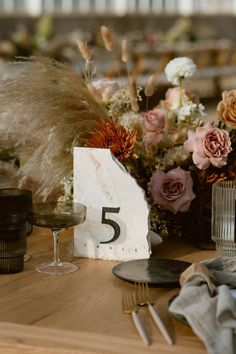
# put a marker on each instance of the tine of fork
(128, 302)
(148, 296)
(139, 294)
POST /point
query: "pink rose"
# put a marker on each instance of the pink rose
(209, 145)
(172, 190)
(106, 87)
(153, 125)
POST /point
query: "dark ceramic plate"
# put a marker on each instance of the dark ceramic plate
(156, 272)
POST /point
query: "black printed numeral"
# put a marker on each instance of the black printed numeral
(112, 223)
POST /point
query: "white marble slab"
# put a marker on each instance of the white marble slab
(101, 181)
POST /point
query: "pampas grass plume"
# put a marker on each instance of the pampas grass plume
(48, 110)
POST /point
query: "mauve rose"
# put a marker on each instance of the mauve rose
(209, 145)
(153, 125)
(106, 87)
(172, 190)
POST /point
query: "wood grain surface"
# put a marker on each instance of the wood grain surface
(81, 312)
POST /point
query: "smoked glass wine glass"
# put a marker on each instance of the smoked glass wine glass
(56, 216)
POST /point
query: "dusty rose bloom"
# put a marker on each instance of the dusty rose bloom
(209, 145)
(172, 190)
(153, 125)
(106, 87)
(227, 108)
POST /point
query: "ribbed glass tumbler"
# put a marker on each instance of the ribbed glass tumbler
(223, 230)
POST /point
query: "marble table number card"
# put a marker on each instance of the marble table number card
(116, 225)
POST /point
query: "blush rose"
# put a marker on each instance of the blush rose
(172, 190)
(209, 145)
(153, 126)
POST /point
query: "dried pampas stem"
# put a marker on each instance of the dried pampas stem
(48, 110)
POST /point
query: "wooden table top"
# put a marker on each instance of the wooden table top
(81, 312)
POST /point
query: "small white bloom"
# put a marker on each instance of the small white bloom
(190, 109)
(184, 111)
(201, 110)
(178, 69)
(130, 120)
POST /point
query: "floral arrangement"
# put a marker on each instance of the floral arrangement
(172, 149)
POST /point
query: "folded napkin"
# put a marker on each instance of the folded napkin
(207, 304)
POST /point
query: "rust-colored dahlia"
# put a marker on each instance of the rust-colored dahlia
(227, 108)
(113, 136)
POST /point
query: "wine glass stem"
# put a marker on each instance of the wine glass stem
(56, 259)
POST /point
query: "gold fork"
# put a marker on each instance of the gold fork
(143, 297)
(130, 306)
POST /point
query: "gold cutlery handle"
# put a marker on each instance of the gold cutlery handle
(158, 321)
(140, 328)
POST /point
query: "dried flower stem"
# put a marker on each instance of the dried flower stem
(133, 93)
(109, 43)
(125, 54)
(84, 50)
(149, 88)
(107, 38)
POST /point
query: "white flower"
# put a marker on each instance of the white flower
(190, 109)
(106, 87)
(178, 69)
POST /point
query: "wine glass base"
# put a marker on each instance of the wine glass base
(62, 268)
(27, 257)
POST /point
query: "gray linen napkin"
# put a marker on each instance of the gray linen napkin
(209, 307)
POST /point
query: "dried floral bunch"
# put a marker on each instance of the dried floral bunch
(178, 152)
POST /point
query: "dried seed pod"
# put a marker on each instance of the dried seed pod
(84, 50)
(149, 89)
(107, 38)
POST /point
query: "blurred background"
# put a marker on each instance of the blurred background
(157, 31)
